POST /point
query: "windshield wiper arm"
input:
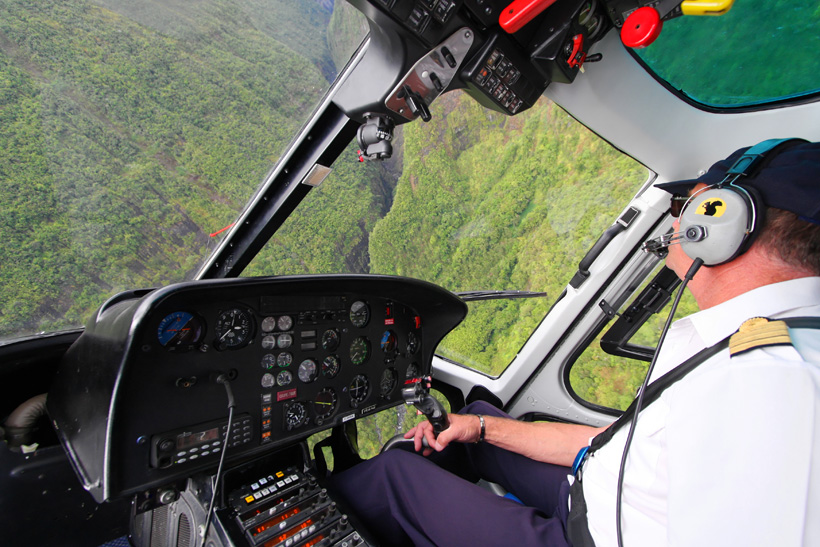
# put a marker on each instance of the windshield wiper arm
(469, 296)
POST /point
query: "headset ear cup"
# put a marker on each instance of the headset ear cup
(716, 225)
(757, 220)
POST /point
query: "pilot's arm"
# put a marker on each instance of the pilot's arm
(555, 443)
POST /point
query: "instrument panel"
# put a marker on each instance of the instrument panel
(137, 402)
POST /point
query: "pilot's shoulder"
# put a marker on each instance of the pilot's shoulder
(789, 340)
(759, 332)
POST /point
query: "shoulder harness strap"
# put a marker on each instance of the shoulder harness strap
(754, 333)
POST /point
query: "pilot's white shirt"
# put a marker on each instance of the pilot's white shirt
(729, 455)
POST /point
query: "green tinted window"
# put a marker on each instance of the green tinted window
(760, 51)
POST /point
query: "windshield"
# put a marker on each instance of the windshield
(758, 52)
(133, 132)
(472, 200)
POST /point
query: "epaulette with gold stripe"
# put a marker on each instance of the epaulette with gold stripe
(759, 332)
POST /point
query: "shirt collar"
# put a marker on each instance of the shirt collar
(783, 299)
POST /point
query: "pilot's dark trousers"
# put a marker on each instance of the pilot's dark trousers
(404, 498)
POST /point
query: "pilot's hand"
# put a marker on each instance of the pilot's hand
(463, 428)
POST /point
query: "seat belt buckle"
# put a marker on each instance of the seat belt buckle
(580, 458)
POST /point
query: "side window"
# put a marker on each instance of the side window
(610, 370)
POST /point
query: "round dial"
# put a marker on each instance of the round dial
(269, 342)
(268, 361)
(307, 371)
(285, 322)
(388, 382)
(284, 359)
(324, 404)
(284, 378)
(330, 340)
(389, 341)
(233, 328)
(359, 350)
(267, 380)
(359, 314)
(268, 324)
(295, 415)
(358, 389)
(284, 341)
(330, 366)
(179, 329)
(412, 343)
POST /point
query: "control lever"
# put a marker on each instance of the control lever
(418, 395)
(415, 103)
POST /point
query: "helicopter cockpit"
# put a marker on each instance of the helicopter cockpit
(185, 356)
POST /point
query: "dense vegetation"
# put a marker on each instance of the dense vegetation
(125, 141)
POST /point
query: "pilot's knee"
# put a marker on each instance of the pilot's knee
(482, 407)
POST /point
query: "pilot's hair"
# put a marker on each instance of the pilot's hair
(791, 239)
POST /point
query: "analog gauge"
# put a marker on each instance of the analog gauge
(284, 359)
(330, 340)
(268, 324)
(233, 328)
(284, 378)
(268, 361)
(285, 322)
(308, 371)
(268, 381)
(389, 341)
(284, 341)
(359, 350)
(412, 343)
(388, 382)
(269, 342)
(295, 415)
(330, 366)
(358, 389)
(412, 371)
(324, 404)
(179, 329)
(359, 314)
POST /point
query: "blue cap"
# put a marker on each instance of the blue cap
(788, 178)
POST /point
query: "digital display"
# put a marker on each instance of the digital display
(314, 541)
(273, 502)
(192, 439)
(276, 520)
(270, 305)
(290, 533)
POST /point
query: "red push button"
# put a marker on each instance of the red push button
(641, 28)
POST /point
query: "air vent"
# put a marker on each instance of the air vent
(159, 526)
(184, 531)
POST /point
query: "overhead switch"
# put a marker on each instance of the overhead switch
(520, 12)
(641, 27)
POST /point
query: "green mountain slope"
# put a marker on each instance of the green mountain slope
(123, 148)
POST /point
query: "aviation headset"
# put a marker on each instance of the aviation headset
(720, 222)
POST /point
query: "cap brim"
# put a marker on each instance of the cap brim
(681, 187)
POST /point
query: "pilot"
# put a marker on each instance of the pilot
(726, 455)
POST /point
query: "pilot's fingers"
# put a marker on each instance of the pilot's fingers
(422, 431)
